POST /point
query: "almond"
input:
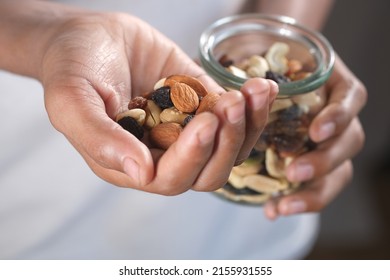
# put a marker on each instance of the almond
(165, 134)
(184, 97)
(208, 102)
(194, 83)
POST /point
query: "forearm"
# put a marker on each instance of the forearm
(25, 28)
(311, 13)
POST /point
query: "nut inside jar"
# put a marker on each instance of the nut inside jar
(262, 176)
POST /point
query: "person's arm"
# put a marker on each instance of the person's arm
(25, 29)
(310, 13)
(91, 64)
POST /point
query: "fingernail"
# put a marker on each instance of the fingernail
(131, 168)
(294, 207)
(326, 131)
(235, 113)
(301, 172)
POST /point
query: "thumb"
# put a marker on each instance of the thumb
(111, 152)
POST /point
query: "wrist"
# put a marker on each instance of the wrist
(25, 34)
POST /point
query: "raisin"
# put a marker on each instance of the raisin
(162, 98)
(291, 145)
(132, 126)
(260, 155)
(225, 61)
(137, 102)
(291, 113)
(276, 77)
(188, 119)
(244, 191)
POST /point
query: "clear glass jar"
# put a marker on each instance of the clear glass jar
(228, 44)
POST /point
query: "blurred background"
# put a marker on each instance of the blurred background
(357, 224)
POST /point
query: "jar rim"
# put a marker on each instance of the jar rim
(286, 27)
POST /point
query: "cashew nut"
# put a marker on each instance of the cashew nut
(159, 84)
(258, 66)
(237, 72)
(152, 114)
(236, 180)
(253, 199)
(248, 167)
(280, 104)
(276, 57)
(173, 115)
(263, 184)
(274, 165)
(312, 100)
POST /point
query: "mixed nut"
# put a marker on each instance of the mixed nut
(165, 111)
(262, 175)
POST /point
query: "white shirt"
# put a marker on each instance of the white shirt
(52, 206)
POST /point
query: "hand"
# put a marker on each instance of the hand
(339, 134)
(95, 63)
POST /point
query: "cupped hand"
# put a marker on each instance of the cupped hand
(95, 63)
(338, 133)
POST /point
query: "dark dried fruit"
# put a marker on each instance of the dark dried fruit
(289, 145)
(276, 77)
(290, 113)
(188, 119)
(243, 191)
(225, 61)
(260, 155)
(162, 97)
(132, 126)
(138, 102)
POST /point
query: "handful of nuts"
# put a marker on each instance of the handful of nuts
(165, 111)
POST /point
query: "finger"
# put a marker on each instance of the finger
(180, 165)
(259, 95)
(209, 83)
(231, 113)
(347, 97)
(327, 155)
(314, 196)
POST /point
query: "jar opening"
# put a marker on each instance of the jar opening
(249, 34)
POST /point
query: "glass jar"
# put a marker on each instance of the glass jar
(300, 60)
